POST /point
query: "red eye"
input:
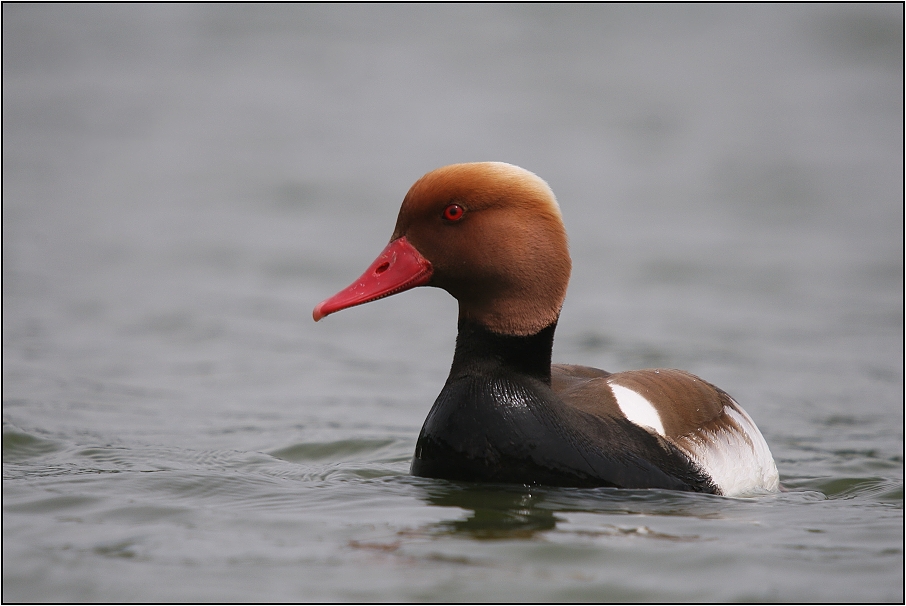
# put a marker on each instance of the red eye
(453, 212)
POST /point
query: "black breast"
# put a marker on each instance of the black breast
(497, 420)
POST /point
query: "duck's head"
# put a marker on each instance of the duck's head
(489, 233)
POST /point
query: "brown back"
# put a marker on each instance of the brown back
(683, 401)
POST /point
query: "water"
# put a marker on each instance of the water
(182, 184)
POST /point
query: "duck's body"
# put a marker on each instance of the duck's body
(491, 234)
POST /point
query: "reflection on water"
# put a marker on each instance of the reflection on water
(520, 512)
(493, 512)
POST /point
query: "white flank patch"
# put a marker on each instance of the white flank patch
(739, 461)
(637, 409)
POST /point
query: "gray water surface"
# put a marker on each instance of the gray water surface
(182, 184)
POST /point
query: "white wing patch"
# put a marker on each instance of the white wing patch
(637, 409)
(736, 455)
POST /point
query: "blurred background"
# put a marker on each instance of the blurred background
(183, 183)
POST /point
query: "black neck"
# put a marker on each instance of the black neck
(480, 350)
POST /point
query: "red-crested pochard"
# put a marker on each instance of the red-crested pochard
(491, 235)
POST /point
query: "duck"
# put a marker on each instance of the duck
(492, 235)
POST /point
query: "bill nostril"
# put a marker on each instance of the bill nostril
(382, 267)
